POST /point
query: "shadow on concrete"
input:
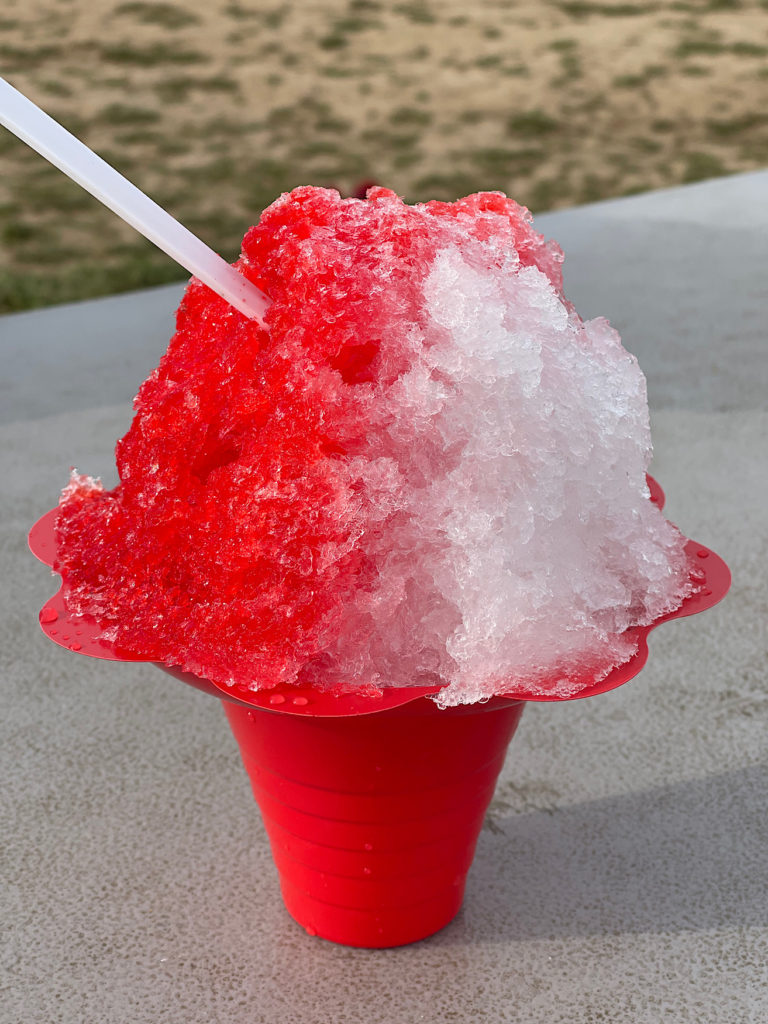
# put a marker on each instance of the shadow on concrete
(687, 857)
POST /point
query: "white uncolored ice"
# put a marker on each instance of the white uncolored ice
(510, 519)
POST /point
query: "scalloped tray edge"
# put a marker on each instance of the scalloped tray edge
(80, 635)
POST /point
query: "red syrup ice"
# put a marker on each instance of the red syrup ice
(408, 480)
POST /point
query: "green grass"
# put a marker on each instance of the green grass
(594, 187)
(699, 166)
(570, 62)
(563, 45)
(309, 115)
(498, 162)
(411, 115)
(15, 231)
(48, 190)
(165, 15)
(315, 147)
(383, 141)
(262, 181)
(271, 19)
(640, 79)
(123, 114)
(177, 88)
(727, 128)
(137, 137)
(333, 41)
(579, 9)
(408, 158)
(711, 45)
(222, 168)
(755, 150)
(471, 116)
(46, 252)
(356, 24)
(746, 49)
(207, 128)
(544, 194)
(532, 123)
(85, 279)
(447, 187)
(334, 125)
(417, 12)
(637, 189)
(152, 56)
(14, 58)
(334, 71)
(56, 88)
(642, 144)
(699, 47)
(169, 146)
(489, 60)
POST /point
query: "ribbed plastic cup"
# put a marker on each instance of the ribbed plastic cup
(373, 819)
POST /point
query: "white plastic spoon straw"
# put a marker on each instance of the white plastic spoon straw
(75, 159)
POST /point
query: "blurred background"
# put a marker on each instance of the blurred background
(215, 107)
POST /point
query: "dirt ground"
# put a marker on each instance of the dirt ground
(214, 107)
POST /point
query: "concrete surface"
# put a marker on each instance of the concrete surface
(621, 876)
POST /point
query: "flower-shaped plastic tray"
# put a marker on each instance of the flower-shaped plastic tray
(82, 634)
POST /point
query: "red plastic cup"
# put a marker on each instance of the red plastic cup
(373, 819)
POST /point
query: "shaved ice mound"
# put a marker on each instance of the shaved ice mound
(429, 470)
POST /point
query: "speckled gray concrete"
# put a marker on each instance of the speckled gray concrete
(622, 873)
